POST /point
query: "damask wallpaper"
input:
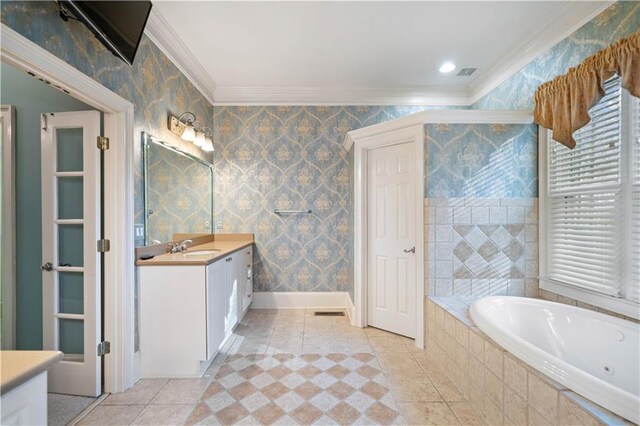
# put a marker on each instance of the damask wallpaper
(291, 157)
(619, 20)
(154, 85)
(179, 193)
(481, 160)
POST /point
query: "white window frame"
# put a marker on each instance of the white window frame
(614, 304)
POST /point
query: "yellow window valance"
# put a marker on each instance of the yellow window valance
(562, 104)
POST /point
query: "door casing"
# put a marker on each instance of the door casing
(414, 135)
(119, 366)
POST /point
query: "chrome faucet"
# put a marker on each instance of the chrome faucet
(179, 247)
(184, 245)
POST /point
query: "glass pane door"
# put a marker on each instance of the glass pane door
(69, 272)
(70, 229)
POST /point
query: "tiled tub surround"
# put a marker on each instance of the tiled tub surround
(593, 354)
(482, 246)
(497, 384)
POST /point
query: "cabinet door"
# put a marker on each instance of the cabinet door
(247, 278)
(239, 270)
(231, 279)
(216, 295)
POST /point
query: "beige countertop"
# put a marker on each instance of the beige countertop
(16, 367)
(223, 247)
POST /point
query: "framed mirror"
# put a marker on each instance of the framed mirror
(178, 192)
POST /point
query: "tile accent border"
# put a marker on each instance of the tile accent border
(498, 385)
(481, 246)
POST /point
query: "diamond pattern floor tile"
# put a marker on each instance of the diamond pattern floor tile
(343, 377)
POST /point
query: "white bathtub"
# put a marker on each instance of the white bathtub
(593, 354)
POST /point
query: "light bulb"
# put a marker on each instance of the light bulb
(200, 140)
(189, 133)
(208, 147)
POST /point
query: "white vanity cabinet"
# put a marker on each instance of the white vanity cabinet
(188, 312)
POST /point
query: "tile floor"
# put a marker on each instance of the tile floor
(290, 367)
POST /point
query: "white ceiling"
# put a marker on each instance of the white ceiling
(305, 52)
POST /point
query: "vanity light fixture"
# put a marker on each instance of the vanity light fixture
(186, 129)
(447, 67)
(183, 128)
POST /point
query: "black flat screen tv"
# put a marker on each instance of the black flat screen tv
(117, 24)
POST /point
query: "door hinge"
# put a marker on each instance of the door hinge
(103, 143)
(104, 246)
(104, 348)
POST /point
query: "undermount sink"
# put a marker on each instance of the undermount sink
(199, 253)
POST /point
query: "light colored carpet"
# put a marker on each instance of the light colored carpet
(64, 408)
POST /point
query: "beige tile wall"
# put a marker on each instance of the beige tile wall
(499, 386)
(481, 246)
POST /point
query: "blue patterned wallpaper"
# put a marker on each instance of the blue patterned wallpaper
(179, 193)
(291, 157)
(154, 85)
(481, 160)
(619, 20)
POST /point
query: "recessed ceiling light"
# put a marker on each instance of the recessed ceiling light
(447, 67)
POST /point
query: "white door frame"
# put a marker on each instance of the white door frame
(8, 229)
(414, 135)
(118, 195)
(376, 136)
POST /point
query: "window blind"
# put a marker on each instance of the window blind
(586, 202)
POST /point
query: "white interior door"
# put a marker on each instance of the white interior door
(391, 263)
(71, 275)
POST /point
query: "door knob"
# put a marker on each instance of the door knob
(47, 266)
(411, 250)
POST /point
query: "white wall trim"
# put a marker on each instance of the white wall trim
(418, 95)
(8, 115)
(553, 31)
(439, 116)
(118, 197)
(301, 300)
(161, 33)
(413, 133)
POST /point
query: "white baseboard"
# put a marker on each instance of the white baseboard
(301, 300)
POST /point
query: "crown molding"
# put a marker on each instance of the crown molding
(551, 32)
(439, 116)
(165, 38)
(418, 95)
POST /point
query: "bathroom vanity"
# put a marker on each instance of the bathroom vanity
(23, 386)
(190, 303)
